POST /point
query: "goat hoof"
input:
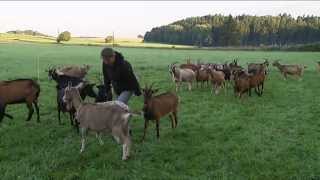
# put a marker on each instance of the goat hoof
(125, 158)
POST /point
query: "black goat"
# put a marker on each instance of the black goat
(103, 95)
(63, 82)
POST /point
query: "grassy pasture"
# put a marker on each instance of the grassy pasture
(275, 136)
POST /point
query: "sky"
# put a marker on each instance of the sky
(127, 19)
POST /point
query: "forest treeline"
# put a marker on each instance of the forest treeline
(243, 30)
(27, 32)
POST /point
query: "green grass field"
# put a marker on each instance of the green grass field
(275, 136)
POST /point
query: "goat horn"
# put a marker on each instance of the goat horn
(80, 85)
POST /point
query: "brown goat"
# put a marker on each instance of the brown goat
(217, 79)
(244, 81)
(234, 67)
(19, 91)
(202, 76)
(257, 80)
(158, 106)
(285, 70)
(241, 82)
(252, 67)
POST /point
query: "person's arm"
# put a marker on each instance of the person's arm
(133, 80)
(107, 83)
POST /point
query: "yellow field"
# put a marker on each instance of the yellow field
(122, 42)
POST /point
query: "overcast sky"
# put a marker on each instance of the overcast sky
(128, 19)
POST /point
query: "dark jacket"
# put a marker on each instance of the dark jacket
(121, 76)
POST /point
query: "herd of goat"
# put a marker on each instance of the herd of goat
(242, 79)
(113, 116)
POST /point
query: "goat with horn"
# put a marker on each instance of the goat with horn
(157, 106)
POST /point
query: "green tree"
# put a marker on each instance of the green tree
(64, 36)
(108, 39)
(243, 30)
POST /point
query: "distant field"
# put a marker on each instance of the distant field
(123, 42)
(275, 136)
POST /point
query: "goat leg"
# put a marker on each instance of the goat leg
(76, 124)
(59, 116)
(37, 110)
(256, 89)
(145, 129)
(126, 148)
(212, 88)
(8, 116)
(2, 113)
(83, 139)
(124, 151)
(98, 136)
(262, 84)
(285, 76)
(31, 110)
(157, 126)
(71, 118)
(217, 90)
(175, 118)
(172, 121)
(177, 86)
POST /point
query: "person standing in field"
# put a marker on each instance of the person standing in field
(118, 73)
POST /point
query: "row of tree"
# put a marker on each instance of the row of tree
(243, 30)
(27, 32)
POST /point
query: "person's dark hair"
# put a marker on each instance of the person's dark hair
(107, 52)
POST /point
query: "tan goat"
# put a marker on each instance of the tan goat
(294, 70)
(110, 117)
(182, 75)
(217, 79)
(74, 71)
